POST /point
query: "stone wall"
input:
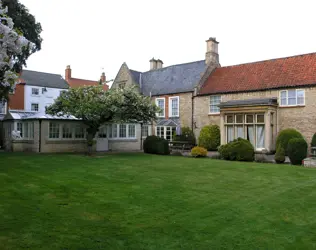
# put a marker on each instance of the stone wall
(123, 78)
(302, 118)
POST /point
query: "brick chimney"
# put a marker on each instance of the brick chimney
(103, 78)
(159, 64)
(153, 64)
(211, 55)
(68, 73)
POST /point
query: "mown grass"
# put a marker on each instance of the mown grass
(136, 201)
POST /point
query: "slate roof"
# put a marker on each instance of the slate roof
(26, 115)
(42, 79)
(249, 102)
(278, 73)
(170, 80)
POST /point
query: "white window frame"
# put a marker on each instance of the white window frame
(170, 106)
(37, 106)
(116, 127)
(149, 130)
(287, 98)
(164, 105)
(38, 90)
(30, 130)
(165, 131)
(210, 104)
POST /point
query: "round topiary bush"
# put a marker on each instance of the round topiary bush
(198, 152)
(285, 136)
(156, 145)
(313, 143)
(297, 149)
(187, 135)
(210, 137)
(279, 155)
(237, 150)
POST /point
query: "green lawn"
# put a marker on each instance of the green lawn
(135, 201)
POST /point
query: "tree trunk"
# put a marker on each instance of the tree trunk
(90, 136)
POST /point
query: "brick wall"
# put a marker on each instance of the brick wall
(16, 100)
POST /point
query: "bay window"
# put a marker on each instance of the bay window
(165, 132)
(294, 97)
(247, 126)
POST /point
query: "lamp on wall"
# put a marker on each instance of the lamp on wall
(44, 90)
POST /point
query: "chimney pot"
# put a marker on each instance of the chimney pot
(153, 64)
(159, 64)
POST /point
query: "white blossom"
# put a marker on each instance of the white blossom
(11, 45)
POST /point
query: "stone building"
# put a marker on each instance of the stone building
(257, 100)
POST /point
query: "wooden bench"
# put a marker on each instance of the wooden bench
(180, 145)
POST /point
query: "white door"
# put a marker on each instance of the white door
(102, 140)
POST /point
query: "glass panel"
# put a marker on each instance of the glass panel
(31, 128)
(53, 130)
(20, 128)
(67, 133)
(239, 118)
(145, 131)
(34, 107)
(168, 133)
(26, 130)
(174, 107)
(79, 131)
(240, 131)
(161, 105)
(283, 94)
(230, 118)
(174, 131)
(110, 130)
(230, 133)
(300, 97)
(122, 133)
(114, 130)
(249, 118)
(102, 132)
(214, 102)
(260, 118)
(291, 97)
(283, 101)
(131, 131)
(250, 135)
(260, 136)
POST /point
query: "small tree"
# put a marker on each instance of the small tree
(210, 137)
(297, 149)
(95, 107)
(313, 142)
(285, 136)
(279, 155)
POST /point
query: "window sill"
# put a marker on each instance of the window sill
(123, 139)
(35, 95)
(65, 141)
(31, 141)
(214, 114)
(292, 106)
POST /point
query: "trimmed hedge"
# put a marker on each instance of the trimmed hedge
(210, 137)
(285, 136)
(198, 152)
(313, 143)
(187, 135)
(279, 155)
(156, 145)
(297, 149)
(237, 150)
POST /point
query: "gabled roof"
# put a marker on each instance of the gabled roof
(76, 83)
(170, 80)
(278, 73)
(42, 79)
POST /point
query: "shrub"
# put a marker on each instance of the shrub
(285, 136)
(187, 135)
(198, 152)
(297, 149)
(156, 145)
(237, 150)
(279, 155)
(313, 143)
(210, 137)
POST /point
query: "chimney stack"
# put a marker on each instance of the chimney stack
(211, 55)
(68, 73)
(153, 64)
(103, 78)
(159, 64)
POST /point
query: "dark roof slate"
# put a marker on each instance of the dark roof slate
(42, 79)
(170, 80)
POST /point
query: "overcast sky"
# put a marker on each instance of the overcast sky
(96, 34)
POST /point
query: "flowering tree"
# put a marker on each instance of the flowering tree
(12, 44)
(96, 107)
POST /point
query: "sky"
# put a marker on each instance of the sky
(99, 35)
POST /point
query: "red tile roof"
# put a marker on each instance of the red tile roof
(76, 83)
(271, 74)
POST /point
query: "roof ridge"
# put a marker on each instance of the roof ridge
(41, 72)
(163, 68)
(83, 79)
(267, 60)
